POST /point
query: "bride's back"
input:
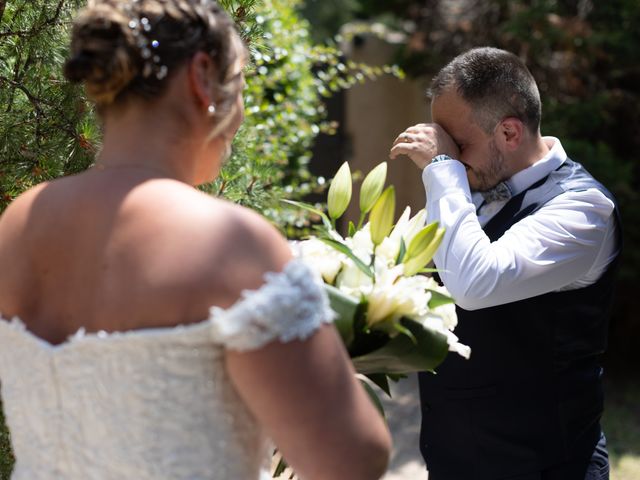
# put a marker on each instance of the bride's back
(129, 252)
(117, 250)
(103, 251)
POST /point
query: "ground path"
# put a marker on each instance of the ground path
(403, 414)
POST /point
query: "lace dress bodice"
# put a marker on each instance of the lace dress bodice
(153, 403)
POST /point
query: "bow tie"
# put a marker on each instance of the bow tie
(499, 193)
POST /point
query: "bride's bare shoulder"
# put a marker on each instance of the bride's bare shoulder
(224, 234)
(17, 212)
(197, 210)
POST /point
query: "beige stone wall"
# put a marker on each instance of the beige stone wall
(376, 112)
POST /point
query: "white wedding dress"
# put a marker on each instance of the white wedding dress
(153, 403)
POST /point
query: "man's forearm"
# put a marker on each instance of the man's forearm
(542, 253)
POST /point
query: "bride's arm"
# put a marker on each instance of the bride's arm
(304, 392)
(305, 395)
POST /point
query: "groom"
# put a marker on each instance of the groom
(530, 249)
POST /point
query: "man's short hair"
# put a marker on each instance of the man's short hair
(496, 84)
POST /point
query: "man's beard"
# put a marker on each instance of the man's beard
(494, 173)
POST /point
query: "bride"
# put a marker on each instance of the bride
(149, 331)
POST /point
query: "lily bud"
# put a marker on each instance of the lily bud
(381, 218)
(421, 241)
(372, 187)
(422, 248)
(339, 192)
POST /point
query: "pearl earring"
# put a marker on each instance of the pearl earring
(211, 110)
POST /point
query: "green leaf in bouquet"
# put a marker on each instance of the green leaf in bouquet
(400, 355)
(438, 299)
(339, 192)
(402, 252)
(422, 248)
(429, 270)
(381, 380)
(352, 229)
(347, 309)
(312, 209)
(281, 466)
(372, 187)
(405, 331)
(342, 248)
(396, 377)
(372, 394)
(381, 217)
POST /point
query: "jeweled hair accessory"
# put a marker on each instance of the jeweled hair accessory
(141, 30)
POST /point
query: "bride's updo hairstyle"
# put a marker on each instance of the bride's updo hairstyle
(121, 49)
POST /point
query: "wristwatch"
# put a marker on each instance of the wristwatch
(440, 158)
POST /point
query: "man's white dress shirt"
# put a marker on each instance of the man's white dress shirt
(566, 244)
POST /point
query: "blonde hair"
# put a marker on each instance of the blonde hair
(121, 49)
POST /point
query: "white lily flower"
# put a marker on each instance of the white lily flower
(448, 314)
(401, 225)
(414, 226)
(394, 296)
(385, 299)
(388, 250)
(367, 271)
(320, 257)
(361, 242)
(436, 322)
(457, 347)
(352, 280)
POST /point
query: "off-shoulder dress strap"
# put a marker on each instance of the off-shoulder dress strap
(290, 305)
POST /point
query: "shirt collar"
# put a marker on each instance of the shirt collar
(543, 167)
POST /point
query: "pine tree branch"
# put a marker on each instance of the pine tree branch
(48, 22)
(3, 3)
(42, 24)
(35, 101)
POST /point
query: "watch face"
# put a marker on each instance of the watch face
(441, 157)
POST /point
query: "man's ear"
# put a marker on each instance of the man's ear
(201, 78)
(509, 133)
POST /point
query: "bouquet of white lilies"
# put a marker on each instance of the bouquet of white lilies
(393, 316)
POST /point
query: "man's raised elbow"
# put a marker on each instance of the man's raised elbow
(467, 303)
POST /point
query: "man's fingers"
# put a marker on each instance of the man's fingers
(403, 138)
(417, 129)
(411, 150)
(402, 149)
(420, 126)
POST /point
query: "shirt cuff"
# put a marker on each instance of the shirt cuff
(445, 178)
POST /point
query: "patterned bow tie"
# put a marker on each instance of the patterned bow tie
(499, 193)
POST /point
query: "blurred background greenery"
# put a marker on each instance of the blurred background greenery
(582, 52)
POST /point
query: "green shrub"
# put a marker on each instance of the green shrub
(6, 455)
